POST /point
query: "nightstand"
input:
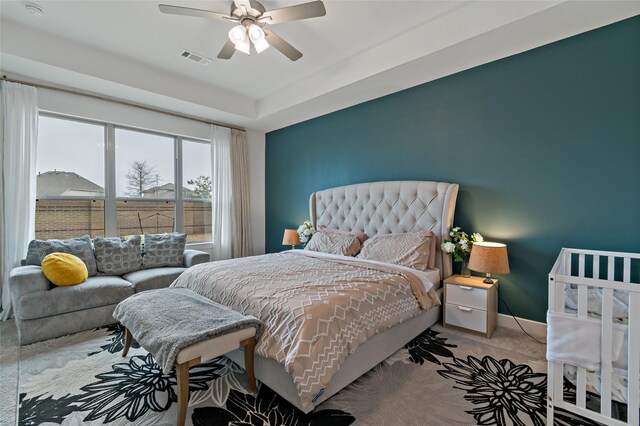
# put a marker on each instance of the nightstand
(470, 304)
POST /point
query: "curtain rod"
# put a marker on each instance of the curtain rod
(116, 101)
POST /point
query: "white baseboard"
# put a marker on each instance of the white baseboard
(538, 329)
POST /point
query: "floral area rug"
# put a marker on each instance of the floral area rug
(437, 379)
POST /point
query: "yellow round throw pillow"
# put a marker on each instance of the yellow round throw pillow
(64, 269)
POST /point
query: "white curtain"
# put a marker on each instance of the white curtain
(231, 225)
(18, 141)
(221, 189)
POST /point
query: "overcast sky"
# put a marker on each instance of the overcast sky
(73, 146)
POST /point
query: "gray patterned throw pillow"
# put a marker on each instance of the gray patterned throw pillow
(80, 247)
(334, 243)
(410, 249)
(163, 250)
(119, 255)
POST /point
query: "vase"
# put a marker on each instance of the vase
(464, 271)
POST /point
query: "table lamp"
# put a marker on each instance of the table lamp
(291, 238)
(489, 258)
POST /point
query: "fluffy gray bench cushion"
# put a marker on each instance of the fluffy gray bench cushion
(168, 320)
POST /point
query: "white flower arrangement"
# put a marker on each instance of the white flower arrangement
(460, 243)
(306, 231)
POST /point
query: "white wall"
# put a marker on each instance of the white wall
(96, 109)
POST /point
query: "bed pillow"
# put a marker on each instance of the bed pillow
(410, 249)
(334, 243)
(79, 247)
(118, 255)
(359, 235)
(431, 262)
(163, 250)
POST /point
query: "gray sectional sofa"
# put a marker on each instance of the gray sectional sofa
(43, 311)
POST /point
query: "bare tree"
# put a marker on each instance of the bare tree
(141, 177)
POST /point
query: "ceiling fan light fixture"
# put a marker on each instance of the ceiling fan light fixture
(238, 35)
(244, 46)
(258, 38)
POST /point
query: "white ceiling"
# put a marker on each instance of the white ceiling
(360, 50)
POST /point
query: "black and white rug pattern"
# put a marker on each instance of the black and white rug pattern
(435, 379)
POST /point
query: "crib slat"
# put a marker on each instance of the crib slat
(556, 297)
(583, 301)
(567, 263)
(611, 268)
(581, 265)
(581, 387)
(606, 349)
(581, 379)
(633, 389)
(596, 266)
(626, 275)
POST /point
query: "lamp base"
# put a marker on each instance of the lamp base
(488, 279)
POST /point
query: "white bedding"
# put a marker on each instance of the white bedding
(577, 341)
(594, 303)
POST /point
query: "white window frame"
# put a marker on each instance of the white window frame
(110, 198)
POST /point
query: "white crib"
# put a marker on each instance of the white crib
(584, 273)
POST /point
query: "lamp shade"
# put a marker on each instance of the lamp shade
(291, 238)
(490, 258)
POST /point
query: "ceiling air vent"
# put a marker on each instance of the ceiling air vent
(195, 57)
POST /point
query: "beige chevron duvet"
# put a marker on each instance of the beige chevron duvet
(316, 308)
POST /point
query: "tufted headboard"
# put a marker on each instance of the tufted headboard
(389, 207)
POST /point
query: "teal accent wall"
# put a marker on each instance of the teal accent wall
(545, 146)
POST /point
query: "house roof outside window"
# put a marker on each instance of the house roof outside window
(68, 184)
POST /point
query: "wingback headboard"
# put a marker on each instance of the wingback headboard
(389, 207)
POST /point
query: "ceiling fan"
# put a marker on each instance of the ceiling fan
(251, 17)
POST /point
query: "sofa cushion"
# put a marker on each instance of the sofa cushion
(64, 269)
(163, 250)
(152, 279)
(118, 255)
(94, 292)
(80, 247)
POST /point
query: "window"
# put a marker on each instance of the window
(71, 179)
(144, 177)
(128, 188)
(196, 182)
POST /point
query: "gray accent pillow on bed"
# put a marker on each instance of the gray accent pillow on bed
(163, 250)
(80, 247)
(409, 249)
(118, 255)
(334, 243)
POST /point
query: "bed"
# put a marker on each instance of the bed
(397, 313)
(593, 336)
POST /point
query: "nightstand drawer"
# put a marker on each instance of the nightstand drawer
(466, 317)
(473, 297)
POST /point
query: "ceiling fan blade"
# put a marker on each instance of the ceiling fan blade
(227, 50)
(240, 4)
(285, 48)
(294, 13)
(199, 13)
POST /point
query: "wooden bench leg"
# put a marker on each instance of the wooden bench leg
(182, 373)
(127, 341)
(249, 348)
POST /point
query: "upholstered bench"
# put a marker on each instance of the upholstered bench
(181, 329)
